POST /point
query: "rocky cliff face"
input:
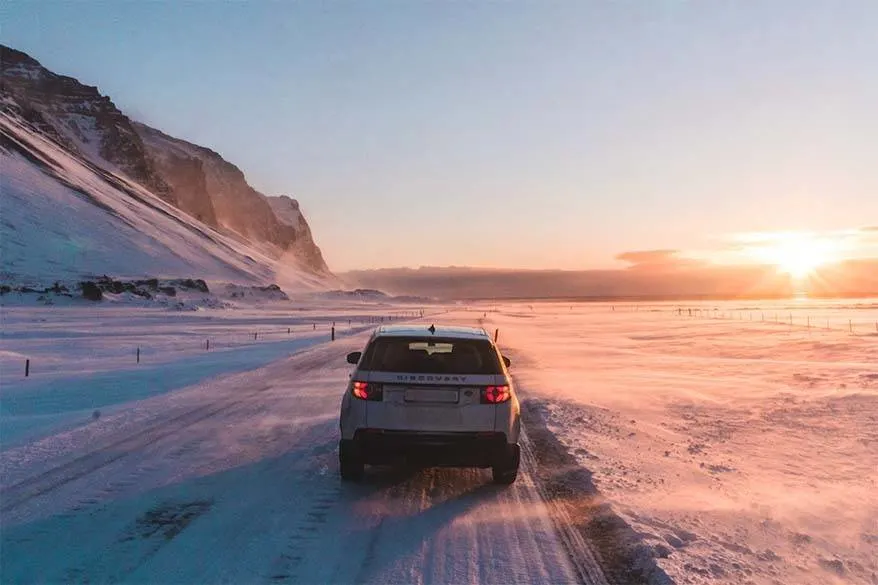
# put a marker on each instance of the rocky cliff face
(218, 190)
(194, 179)
(286, 209)
(78, 117)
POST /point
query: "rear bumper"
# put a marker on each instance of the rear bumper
(453, 449)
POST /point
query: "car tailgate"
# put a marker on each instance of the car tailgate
(430, 407)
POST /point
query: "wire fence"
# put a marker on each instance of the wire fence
(863, 322)
(164, 345)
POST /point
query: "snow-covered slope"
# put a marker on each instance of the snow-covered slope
(64, 218)
(77, 117)
(86, 189)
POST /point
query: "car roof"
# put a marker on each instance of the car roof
(445, 331)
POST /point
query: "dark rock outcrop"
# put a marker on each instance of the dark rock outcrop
(91, 291)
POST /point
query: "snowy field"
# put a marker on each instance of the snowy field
(231, 476)
(739, 451)
(86, 360)
(743, 451)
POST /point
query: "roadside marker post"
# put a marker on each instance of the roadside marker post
(496, 334)
(332, 338)
(138, 355)
(26, 368)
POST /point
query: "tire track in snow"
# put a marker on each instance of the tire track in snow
(134, 440)
(579, 551)
(286, 568)
(26, 490)
(400, 526)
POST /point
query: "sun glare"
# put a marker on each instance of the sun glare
(796, 254)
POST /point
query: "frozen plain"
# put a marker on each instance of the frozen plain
(742, 451)
(737, 451)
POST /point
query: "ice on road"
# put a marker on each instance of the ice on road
(236, 480)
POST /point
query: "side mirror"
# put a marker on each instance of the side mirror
(354, 357)
(507, 361)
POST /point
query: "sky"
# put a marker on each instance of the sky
(519, 134)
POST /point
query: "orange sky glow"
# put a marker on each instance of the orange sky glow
(796, 253)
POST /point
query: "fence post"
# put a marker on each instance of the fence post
(333, 333)
(138, 355)
(26, 368)
(207, 345)
(255, 335)
(288, 330)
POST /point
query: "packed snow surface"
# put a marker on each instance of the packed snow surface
(739, 448)
(234, 479)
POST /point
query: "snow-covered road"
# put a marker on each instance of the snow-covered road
(235, 480)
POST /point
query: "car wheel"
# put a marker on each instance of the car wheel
(350, 461)
(506, 471)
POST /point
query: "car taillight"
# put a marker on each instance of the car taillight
(367, 391)
(495, 394)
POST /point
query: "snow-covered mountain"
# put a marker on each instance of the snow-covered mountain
(86, 190)
(216, 191)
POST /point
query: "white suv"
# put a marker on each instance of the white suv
(431, 396)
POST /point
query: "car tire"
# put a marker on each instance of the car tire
(506, 471)
(350, 461)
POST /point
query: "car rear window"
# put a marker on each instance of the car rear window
(417, 355)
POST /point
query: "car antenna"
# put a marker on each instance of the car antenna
(432, 329)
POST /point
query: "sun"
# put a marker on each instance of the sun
(796, 254)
